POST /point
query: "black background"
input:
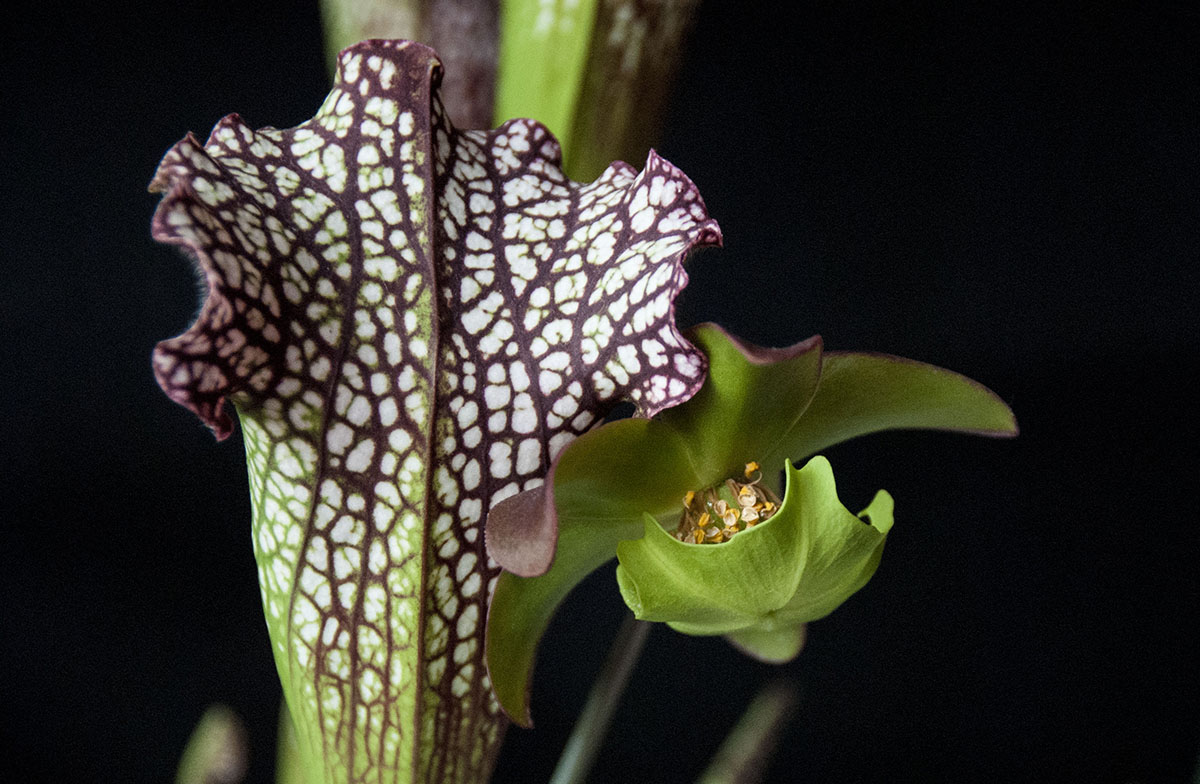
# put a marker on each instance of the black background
(1009, 192)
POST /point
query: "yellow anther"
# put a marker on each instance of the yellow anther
(715, 513)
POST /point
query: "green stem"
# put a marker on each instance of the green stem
(742, 758)
(592, 725)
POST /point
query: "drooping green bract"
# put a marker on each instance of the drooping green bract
(411, 321)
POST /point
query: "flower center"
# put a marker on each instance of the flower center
(714, 514)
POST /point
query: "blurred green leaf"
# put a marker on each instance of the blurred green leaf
(598, 73)
(216, 751)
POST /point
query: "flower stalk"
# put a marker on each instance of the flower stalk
(743, 755)
(603, 699)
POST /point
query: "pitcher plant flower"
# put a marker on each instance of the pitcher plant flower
(411, 321)
(693, 504)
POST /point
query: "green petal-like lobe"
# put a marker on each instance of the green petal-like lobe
(842, 550)
(863, 393)
(770, 645)
(752, 399)
(603, 483)
(794, 568)
(709, 589)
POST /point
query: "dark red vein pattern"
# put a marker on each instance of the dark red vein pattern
(411, 321)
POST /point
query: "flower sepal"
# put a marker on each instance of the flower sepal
(764, 583)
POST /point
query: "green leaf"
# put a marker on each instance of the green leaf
(796, 567)
(864, 393)
(544, 49)
(598, 74)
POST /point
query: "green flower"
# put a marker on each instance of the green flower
(760, 585)
(619, 489)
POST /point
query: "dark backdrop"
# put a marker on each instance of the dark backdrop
(1011, 193)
